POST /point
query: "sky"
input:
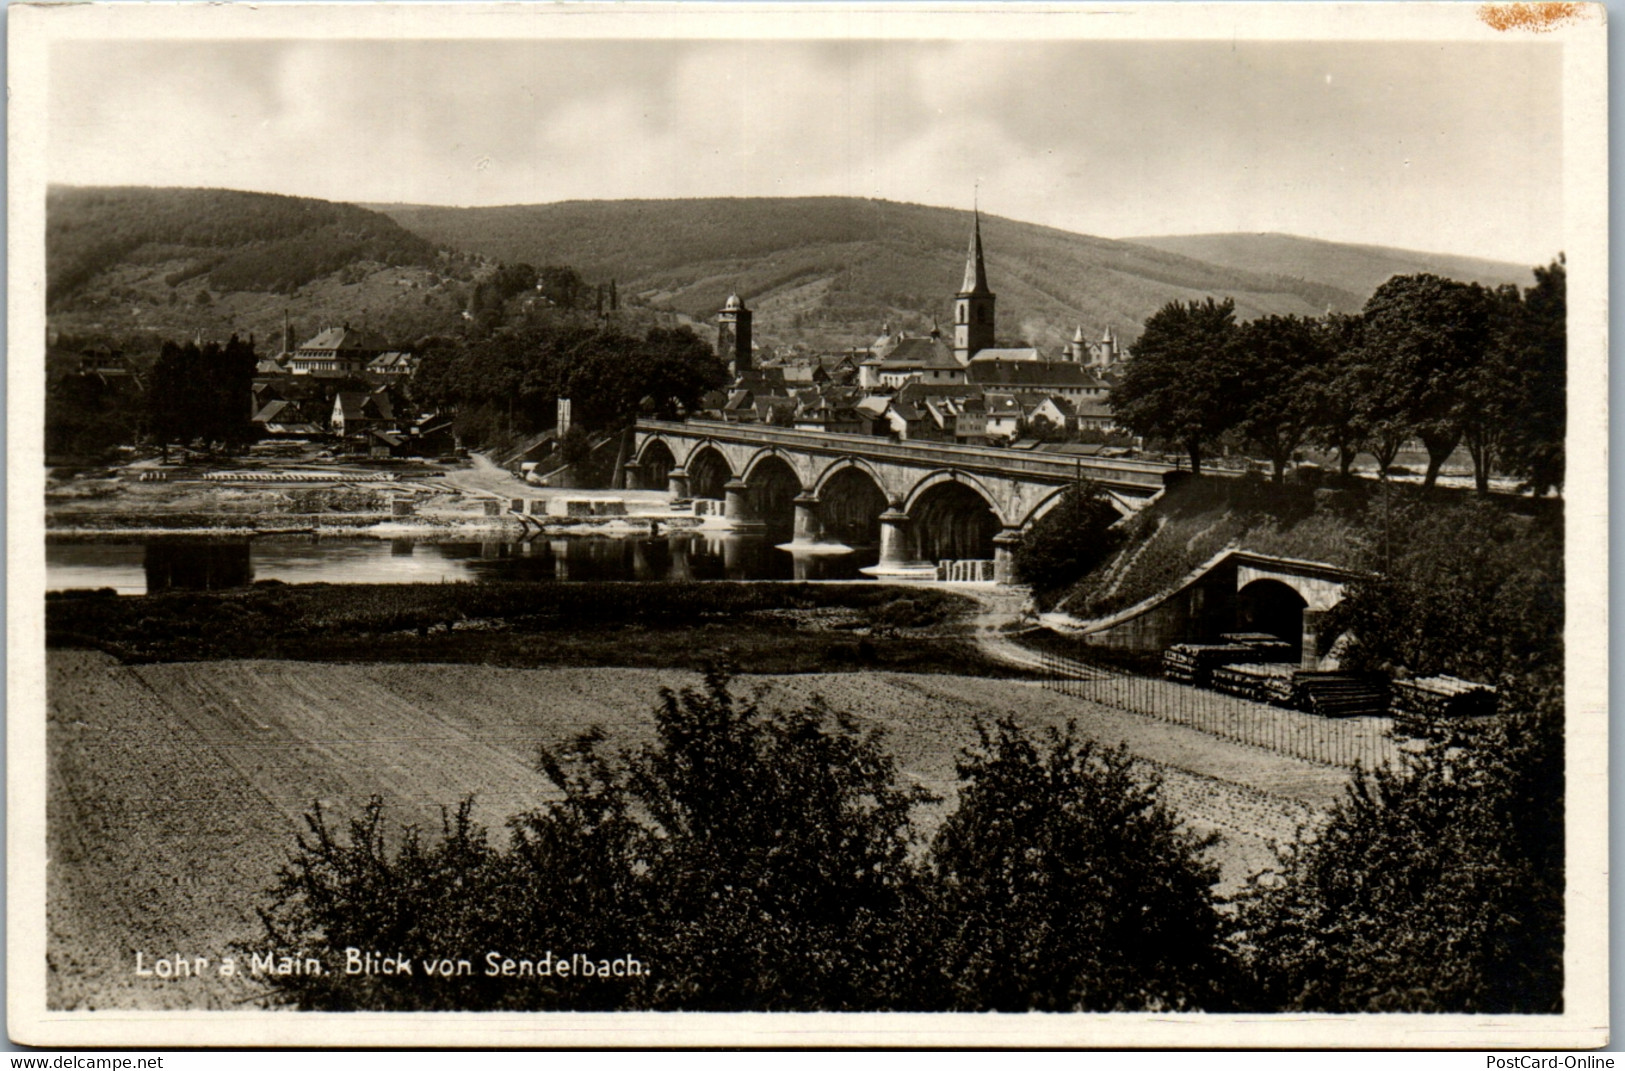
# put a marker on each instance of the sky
(1451, 147)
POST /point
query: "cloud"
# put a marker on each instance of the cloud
(1399, 143)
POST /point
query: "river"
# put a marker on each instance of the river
(197, 563)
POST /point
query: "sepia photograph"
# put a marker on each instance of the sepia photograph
(841, 518)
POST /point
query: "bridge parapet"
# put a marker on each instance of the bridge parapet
(1128, 474)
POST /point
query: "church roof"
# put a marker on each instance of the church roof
(1010, 353)
(1032, 375)
(975, 271)
(920, 353)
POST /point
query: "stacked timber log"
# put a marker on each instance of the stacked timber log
(255, 476)
(1340, 695)
(1427, 698)
(1249, 637)
(1263, 682)
(1194, 663)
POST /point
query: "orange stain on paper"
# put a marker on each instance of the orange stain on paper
(1536, 18)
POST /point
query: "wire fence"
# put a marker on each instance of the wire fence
(1348, 742)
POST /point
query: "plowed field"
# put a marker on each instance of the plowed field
(176, 789)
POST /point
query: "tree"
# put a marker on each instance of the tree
(1423, 335)
(1437, 887)
(563, 287)
(171, 399)
(751, 860)
(787, 840)
(1492, 393)
(1178, 386)
(1062, 883)
(1279, 360)
(1469, 590)
(1042, 429)
(1335, 393)
(1534, 442)
(1069, 540)
(516, 375)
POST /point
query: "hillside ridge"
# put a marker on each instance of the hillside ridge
(826, 272)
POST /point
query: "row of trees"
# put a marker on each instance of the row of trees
(752, 860)
(515, 377)
(1428, 358)
(203, 393)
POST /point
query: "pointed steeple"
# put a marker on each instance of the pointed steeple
(973, 305)
(975, 271)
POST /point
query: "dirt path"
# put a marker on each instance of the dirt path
(485, 477)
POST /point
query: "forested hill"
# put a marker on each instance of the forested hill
(828, 267)
(1354, 268)
(241, 241)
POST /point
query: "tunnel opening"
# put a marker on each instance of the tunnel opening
(850, 506)
(708, 473)
(952, 521)
(1272, 607)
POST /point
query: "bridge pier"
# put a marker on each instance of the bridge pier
(894, 548)
(677, 482)
(1004, 559)
(737, 508)
(631, 476)
(1310, 658)
(809, 529)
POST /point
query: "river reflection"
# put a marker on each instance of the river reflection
(156, 565)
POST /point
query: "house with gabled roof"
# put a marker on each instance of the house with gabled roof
(282, 417)
(358, 411)
(344, 350)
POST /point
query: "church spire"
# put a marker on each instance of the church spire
(975, 270)
(973, 305)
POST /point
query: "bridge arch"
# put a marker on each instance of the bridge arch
(654, 460)
(747, 471)
(952, 519)
(851, 499)
(950, 476)
(842, 464)
(1053, 498)
(773, 485)
(708, 471)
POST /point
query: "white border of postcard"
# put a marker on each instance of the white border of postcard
(1584, 1022)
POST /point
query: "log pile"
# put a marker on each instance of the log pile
(1262, 682)
(1249, 637)
(1340, 695)
(1429, 698)
(1194, 663)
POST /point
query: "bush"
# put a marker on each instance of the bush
(1062, 883)
(751, 860)
(1437, 888)
(1068, 541)
(748, 860)
(1471, 590)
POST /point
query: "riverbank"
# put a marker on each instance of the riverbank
(468, 499)
(767, 627)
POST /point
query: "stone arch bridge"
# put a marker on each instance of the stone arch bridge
(921, 502)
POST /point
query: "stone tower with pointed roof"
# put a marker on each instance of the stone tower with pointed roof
(973, 305)
(733, 336)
